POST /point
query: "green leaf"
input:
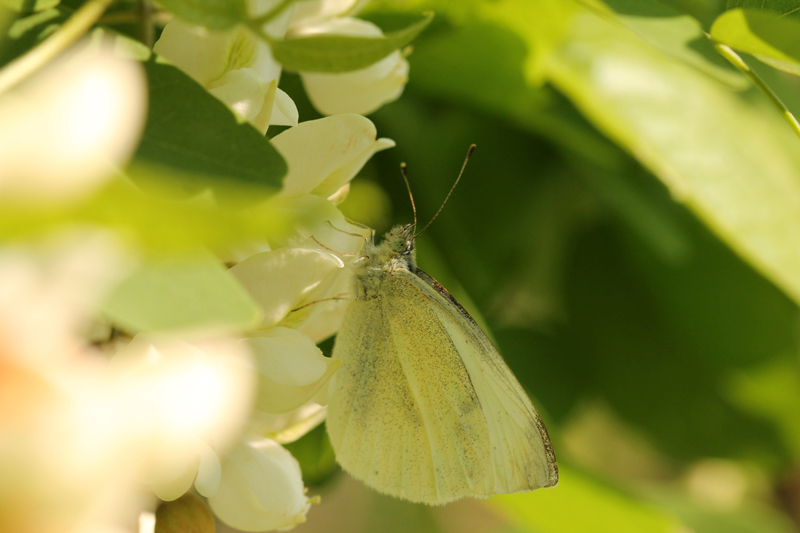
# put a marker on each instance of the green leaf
(768, 37)
(341, 53)
(789, 8)
(691, 133)
(190, 131)
(581, 504)
(213, 14)
(678, 35)
(153, 225)
(181, 294)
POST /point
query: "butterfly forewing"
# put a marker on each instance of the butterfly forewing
(424, 408)
(404, 418)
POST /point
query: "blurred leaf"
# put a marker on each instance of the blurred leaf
(788, 8)
(703, 10)
(745, 518)
(772, 391)
(341, 53)
(213, 14)
(27, 32)
(153, 224)
(732, 164)
(766, 36)
(678, 35)
(628, 342)
(183, 293)
(579, 503)
(29, 6)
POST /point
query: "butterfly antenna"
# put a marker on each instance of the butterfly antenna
(461, 173)
(404, 172)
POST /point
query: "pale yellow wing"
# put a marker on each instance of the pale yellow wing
(424, 408)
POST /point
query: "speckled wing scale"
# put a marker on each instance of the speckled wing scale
(424, 408)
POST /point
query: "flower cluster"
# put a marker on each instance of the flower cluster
(237, 67)
(88, 414)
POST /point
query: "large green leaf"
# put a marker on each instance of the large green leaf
(183, 293)
(681, 36)
(191, 132)
(213, 14)
(341, 53)
(770, 38)
(736, 166)
(154, 225)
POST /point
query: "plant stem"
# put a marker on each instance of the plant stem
(736, 60)
(72, 30)
(145, 22)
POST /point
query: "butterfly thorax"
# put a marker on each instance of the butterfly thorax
(395, 252)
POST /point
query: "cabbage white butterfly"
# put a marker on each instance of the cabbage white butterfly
(424, 408)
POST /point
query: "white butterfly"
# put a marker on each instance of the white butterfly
(424, 408)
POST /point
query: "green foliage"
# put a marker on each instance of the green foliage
(678, 35)
(184, 293)
(331, 53)
(213, 14)
(177, 137)
(602, 509)
(773, 39)
(29, 6)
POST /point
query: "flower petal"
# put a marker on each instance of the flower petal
(291, 369)
(247, 95)
(325, 154)
(67, 129)
(361, 91)
(284, 112)
(288, 427)
(261, 488)
(176, 488)
(202, 54)
(280, 279)
(209, 472)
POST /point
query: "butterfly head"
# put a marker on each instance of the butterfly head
(397, 250)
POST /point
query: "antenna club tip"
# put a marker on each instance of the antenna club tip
(471, 149)
(403, 165)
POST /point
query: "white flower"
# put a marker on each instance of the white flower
(291, 369)
(235, 65)
(67, 129)
(360, 91)
(261, 488)
(64, 466)
(183, 400)
(315, 10)
(324, 155)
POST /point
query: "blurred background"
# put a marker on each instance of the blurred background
(628, 231)
(665, 366)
